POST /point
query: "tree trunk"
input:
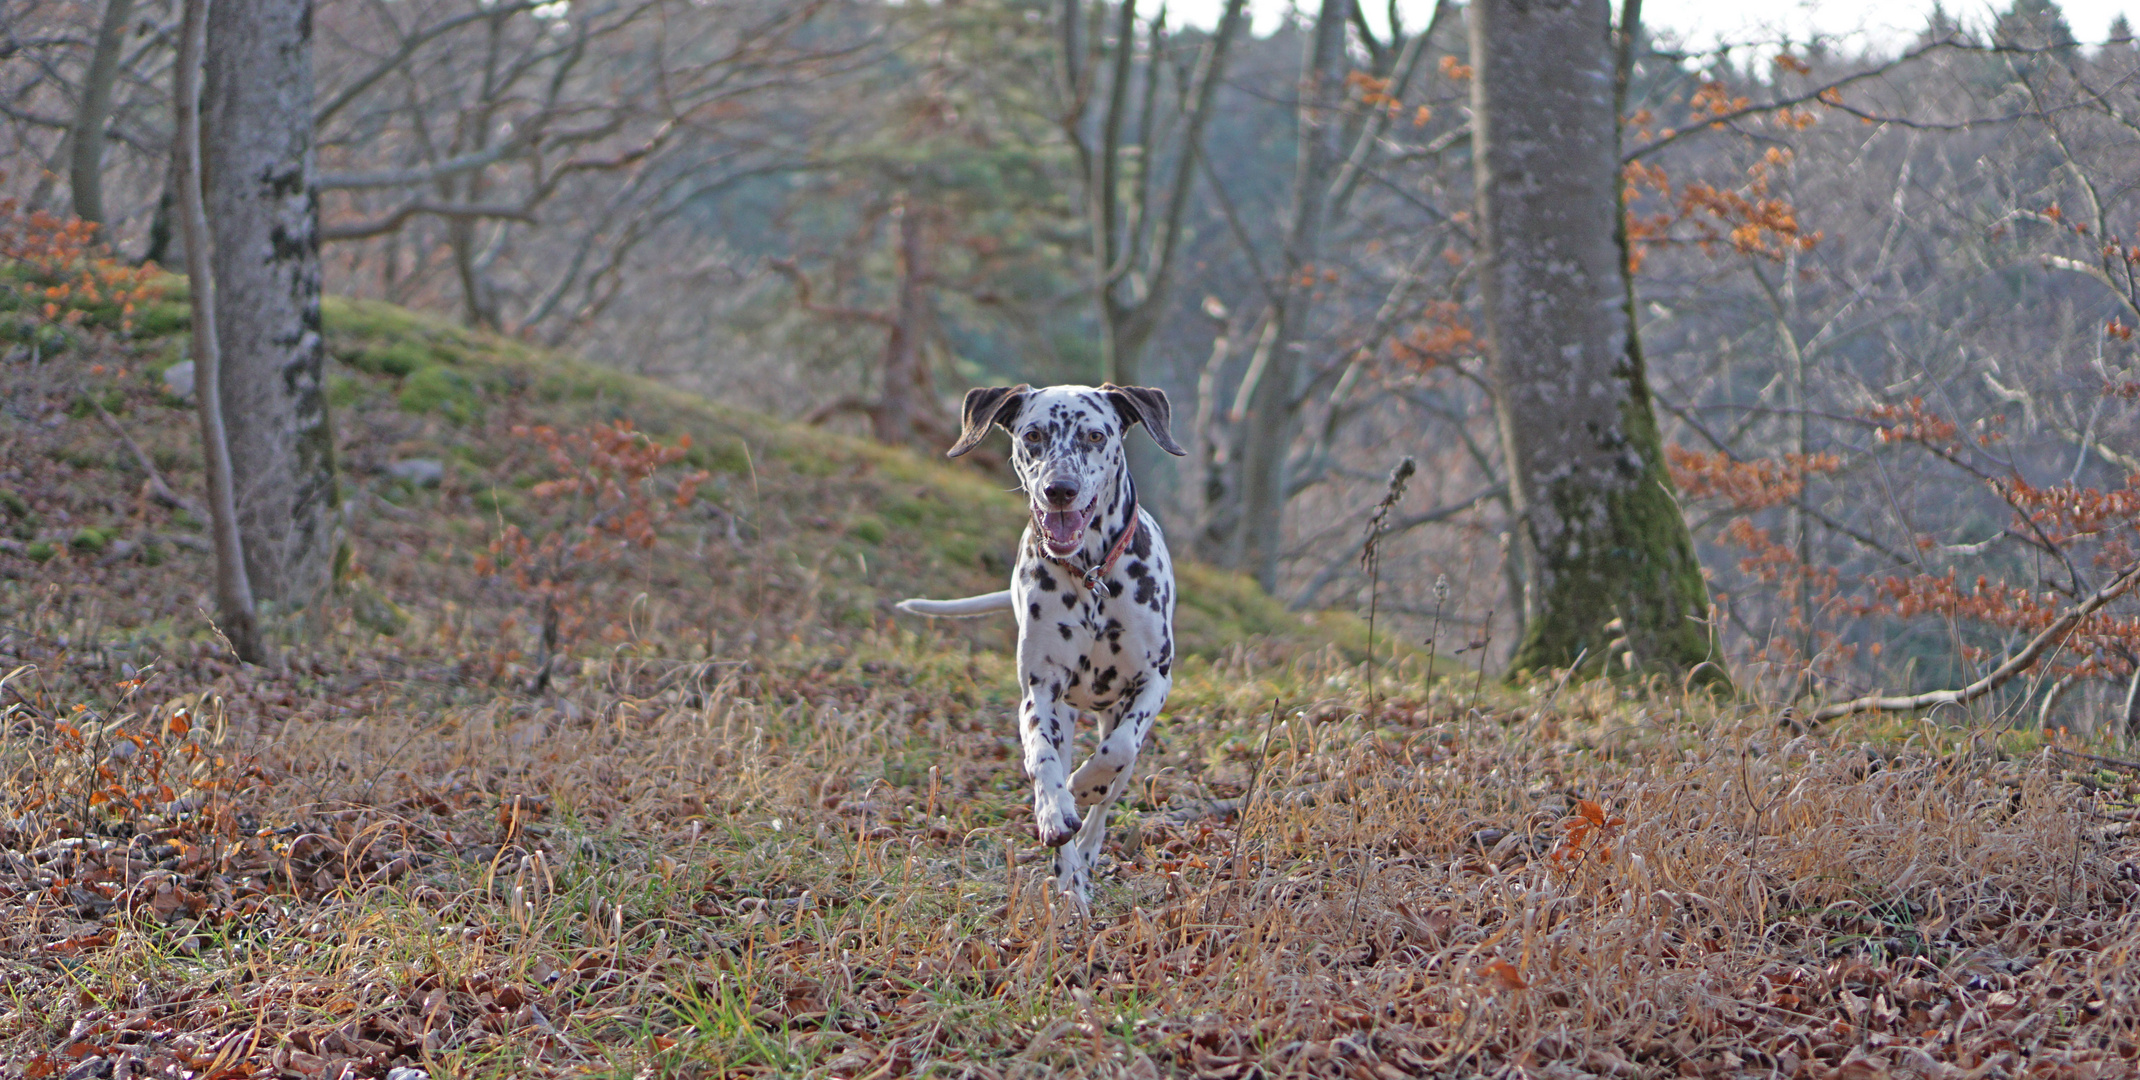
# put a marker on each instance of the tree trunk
(86, 171)
(1601, 536)
(908, 388)
(233, 589)
(1273, 373)
(1135, 251)
(2130, 729)
(158, 247)
(265, 202)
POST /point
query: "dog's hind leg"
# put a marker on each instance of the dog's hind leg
(1074, 861)
(1103, 775)
(1102, 779)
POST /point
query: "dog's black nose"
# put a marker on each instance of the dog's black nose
(1059, 493)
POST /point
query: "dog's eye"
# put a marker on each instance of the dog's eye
(1032, 435)
(1095, 437)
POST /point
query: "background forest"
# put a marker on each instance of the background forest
(849, 212)
(577, 735)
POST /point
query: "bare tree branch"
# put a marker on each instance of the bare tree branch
(366, 229)
(2051, 637)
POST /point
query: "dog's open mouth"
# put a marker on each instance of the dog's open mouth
(1062, 532)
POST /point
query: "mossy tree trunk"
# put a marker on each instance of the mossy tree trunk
(1611, 581)
(263, 201)
(86, 152)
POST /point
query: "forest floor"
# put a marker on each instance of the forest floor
(755, 827)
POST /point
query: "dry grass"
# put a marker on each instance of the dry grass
(775, 869)
(759, 831)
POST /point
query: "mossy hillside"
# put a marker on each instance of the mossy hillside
(856, 524)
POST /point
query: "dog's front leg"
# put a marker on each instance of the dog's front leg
(1044, 723)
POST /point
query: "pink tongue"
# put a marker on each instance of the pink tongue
(1064, 527)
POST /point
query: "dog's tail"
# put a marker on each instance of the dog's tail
(986, 604)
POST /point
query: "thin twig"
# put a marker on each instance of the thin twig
(1371, 561)
(157, 486)
(2115, 763)
(1479, 683)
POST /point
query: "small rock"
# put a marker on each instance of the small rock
(178, 379)
(421, 472)
(407, 1072)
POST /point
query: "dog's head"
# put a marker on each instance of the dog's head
(1066, 445)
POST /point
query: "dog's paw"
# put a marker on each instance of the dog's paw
(1064, 830)
(1055, 816)
(1056, 824)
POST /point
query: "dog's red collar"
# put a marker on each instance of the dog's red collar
(1092, 575)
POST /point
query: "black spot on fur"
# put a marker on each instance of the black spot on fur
(1065, 628)
(1147, 591)
(1034, 609)
(1043, 580)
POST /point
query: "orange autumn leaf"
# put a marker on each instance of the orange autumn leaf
(1506, 976)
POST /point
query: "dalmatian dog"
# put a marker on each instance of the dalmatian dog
(1093, 591)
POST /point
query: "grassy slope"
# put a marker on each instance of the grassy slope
(944, 528)
(760, 830)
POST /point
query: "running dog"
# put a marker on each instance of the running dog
(1093, 590)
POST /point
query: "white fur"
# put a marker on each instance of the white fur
(970, 607)
(1106, 652)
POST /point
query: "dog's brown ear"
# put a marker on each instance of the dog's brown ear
(985, 407)
(1146, 405)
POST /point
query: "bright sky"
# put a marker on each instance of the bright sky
(1883, 23)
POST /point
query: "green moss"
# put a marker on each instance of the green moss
(344, 392)
(397, 358)
(152, 553)
(346, 319)
(86, 460)
(725, 456)
(21, 520)
(41, 550)
(928, 527)
(912, 512)
(163, 318)
(90, 540)
(85, 405)
(441, 390)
